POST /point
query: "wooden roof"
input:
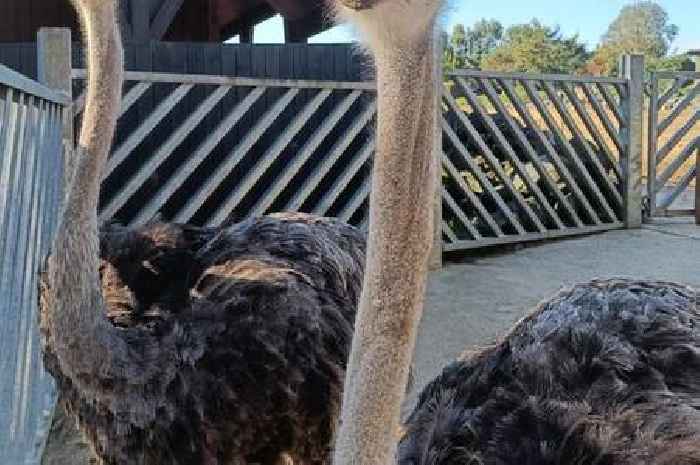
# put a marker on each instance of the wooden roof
(172, 20)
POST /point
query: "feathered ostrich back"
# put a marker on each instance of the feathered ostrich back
(250, 325)
(607, 372)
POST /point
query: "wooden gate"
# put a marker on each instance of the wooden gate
(674, 141)
(532, 156)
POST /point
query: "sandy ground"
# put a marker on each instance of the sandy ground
(472, 302)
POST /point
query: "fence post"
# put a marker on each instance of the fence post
(54, 70)
(697, 186)
(436, 255)
(632, 69)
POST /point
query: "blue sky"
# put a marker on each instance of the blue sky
(588, 18)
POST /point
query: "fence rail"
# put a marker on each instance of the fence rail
(674, 140)
(30, 192)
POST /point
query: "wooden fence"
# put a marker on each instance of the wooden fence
(673, 140)
(529, 156)
(268, 145)
(30, 192)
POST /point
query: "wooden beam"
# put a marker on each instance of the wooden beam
(164, 18)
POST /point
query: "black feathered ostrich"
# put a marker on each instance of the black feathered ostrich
(178, 345)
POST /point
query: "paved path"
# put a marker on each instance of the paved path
(471, 303)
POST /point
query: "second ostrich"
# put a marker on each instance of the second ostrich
(183, 346)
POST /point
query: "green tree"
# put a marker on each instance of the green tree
(642, 27)
(535, 48)
(481, 39)
(466, 47)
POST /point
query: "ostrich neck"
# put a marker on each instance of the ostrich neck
(80, 334)
(399, 244)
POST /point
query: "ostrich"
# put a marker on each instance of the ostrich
(607, 372)
(178, 345)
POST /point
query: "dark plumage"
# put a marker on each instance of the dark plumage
(244, 332)
(607, 372)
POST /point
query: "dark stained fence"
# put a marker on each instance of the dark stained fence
(30, 193)
(217, 148)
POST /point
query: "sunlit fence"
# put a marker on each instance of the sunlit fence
(31, 165)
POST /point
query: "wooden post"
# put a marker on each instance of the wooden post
(436, 255)
(632, 69)
(697, 186)
(54, 70)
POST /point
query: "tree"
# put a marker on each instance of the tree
(642, 27)
(535, 48)
(466, 47)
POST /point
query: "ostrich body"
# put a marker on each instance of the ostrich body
(607, 372)
(178, 345)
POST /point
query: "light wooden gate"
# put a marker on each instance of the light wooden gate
(673, 142)
(530, 156)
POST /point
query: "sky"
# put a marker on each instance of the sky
(588, 18)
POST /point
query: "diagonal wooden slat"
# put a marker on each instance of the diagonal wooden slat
(358, 160)
(564, 142)
(677, 162)
(602, 115)
(128, 99)
(571, 124)
(462, 151)
(359, 197)
(146, 127)
(613, 104)
(493, 161)
(679, 108)
(305, 153)
(554, 156)
(451, 236)
(678, 189)
(336, 151)
(243, 186)
(205, 190)
(678, 83)
(677, 136)
(529, 151)
(163, 152)
(473, 199)
(200, 154)
(460, 214)
(592, 129)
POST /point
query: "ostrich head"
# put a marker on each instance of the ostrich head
(400, 34)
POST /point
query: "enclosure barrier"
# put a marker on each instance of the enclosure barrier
(272, 145)
(30, 192)
(673, 140)
(529, 156)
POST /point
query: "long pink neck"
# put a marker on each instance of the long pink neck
(81, 335)
(400, 240)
